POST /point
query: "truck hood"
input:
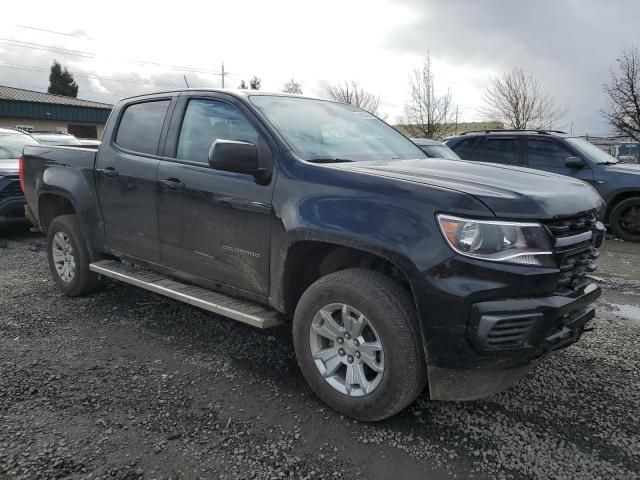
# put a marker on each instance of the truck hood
(511, 192)
(9, 166)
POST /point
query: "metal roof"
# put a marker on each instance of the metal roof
(19, 94)
(425, 141)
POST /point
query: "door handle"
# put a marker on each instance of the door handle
(107, 172)
(172, 184)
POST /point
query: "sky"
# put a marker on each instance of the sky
(119, 48)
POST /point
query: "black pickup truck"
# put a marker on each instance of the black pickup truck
(396, 272)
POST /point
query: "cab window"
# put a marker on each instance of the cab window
(141, 125)
(206, 121)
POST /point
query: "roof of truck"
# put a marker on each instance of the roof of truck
(233, 91)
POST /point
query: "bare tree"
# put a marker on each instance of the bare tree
(517, 99)
(427, 114)
(623, 90)
(291, 86)
(353, 94)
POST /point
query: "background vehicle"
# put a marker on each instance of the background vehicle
(396, 272)
(435, 149)
(12, 200)
(628, 152)
(54, 138)
(89, 143)
(558, 152)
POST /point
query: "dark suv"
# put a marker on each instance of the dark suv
(559, 152)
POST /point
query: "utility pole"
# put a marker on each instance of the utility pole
(457, 107)
(222, 74)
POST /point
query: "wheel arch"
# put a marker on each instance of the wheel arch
(309, 257)
(618, 197)
(64, 190)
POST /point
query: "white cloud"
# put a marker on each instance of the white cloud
(569, 45)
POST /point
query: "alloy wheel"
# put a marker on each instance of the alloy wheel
(63, 257)
(347, 350)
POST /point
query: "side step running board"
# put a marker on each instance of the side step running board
(241, 310)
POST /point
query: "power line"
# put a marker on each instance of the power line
(92, 76)
(85, 54)
(83, 37)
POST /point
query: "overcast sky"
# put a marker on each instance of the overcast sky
(570, 45)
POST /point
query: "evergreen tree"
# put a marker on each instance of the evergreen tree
(255, 83)
(61, 81)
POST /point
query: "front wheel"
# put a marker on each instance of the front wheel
(69, 257)
(358, 345)
(625, 219)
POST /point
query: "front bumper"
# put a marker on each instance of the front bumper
(508, 338)
(484, 324)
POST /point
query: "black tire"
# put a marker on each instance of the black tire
(618, 216)
(390, 309)
(83, 281)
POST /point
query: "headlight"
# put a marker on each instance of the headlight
(506, 242)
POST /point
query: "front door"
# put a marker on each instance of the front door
(126, 181)
(550, 155)
(214, 225)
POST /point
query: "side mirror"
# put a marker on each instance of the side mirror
(234, 156)
(574, 162)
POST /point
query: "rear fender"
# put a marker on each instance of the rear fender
(73, 185)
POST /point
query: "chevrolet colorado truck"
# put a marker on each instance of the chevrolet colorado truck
(395, 272)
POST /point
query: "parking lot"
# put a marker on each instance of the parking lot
(126, 384)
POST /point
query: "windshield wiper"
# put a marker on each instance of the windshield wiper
(329, 160)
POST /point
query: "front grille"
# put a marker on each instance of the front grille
(578, 260)
(12, 189)
(567, 227)
(574, 269)
(509, 332)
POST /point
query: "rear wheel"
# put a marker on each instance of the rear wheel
(625, 219)
(69, 257)
(357, 342)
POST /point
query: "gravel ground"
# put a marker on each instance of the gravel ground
(125, 384)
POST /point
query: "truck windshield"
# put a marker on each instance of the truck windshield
(328, 131)
(590, 150)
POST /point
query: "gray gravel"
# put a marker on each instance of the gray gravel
(125, 384)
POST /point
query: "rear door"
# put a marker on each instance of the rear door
(550, 155)
(126, 169)
(215, 225)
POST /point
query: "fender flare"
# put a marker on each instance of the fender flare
(72, 185)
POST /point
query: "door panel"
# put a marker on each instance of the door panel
(215, 227)
(126, 181)
(213, 224)
(128, 204)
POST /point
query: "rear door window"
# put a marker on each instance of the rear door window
(497, 150)
(546, 153)
(141, 125)
(463, 148)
